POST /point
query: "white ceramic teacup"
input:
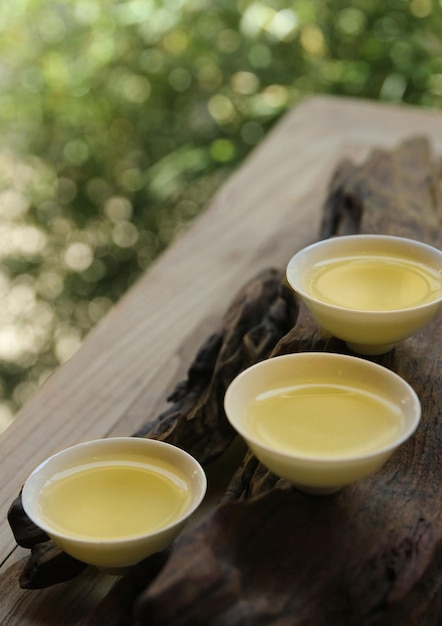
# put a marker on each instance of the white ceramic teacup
(370, 309)
(168, 465)
(339, 451)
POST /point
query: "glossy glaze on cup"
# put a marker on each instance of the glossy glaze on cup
(117, 553)
(365, 332)
(318, 474)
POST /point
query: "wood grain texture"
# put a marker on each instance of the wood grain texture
(122, 374)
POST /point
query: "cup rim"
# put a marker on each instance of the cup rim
(324, 459)
(296, 285)
(118, 541)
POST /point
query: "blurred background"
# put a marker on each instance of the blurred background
(119, 119)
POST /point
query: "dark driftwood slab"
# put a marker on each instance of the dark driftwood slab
(370, 554)
(367, 555)
(270, 555)
(393, 193)
(261, 314)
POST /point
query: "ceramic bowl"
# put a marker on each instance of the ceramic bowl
(340, 450)
(126, 547)
(370, 312)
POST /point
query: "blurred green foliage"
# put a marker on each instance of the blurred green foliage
(119, 119)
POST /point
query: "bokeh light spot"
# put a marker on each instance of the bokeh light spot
(86, 11)
(76, 151)
(52, 28)
(176, 42)
(393, 87)
(136, 89)
(13, 204)
(50, 284)
(132, 179)
(228, 40)
(67, 342)
(284, 24)
(260, 56)
(78, 256)
(152, 60)
(221, 109)
(351, 21)
(124, 234)
(210, 77)
(245, 83)
(255, 18)
(118, 208)
(222, 150)
(312, 40)
(252, 132)
(420, 8)
(98, 307)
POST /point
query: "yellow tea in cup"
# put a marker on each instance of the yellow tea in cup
(373, 282)
(109, 500)
(321, 420)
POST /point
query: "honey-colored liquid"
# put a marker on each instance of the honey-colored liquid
(111, 500)
(373, 283)
(323, 420)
